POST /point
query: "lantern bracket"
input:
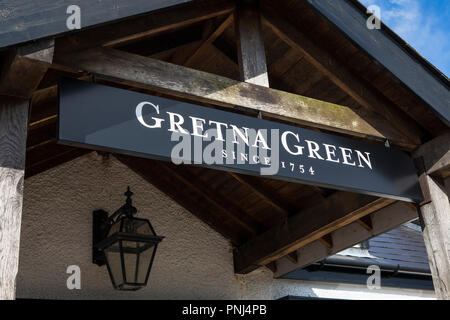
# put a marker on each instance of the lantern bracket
(100, 227)
(102, 223)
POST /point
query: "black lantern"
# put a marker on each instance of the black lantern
(126, 244)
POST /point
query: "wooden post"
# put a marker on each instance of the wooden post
(22, 70)
(13, 133)
(250, 40)
(435, 216)
(433, 162)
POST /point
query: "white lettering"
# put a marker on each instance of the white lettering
(347, 155)
(330, 153)
(366, 160)
(177, 123)
(313, 150)
(139, 116)
(237, 132)
(260, 139)
(298, 149)
(219, 130)
(196, 126)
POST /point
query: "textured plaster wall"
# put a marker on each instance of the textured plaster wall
(192, 262)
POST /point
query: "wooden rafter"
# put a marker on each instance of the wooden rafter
(279, 67)
(167, 53)
(144, 26)
(384, 220)
(168, 183)
(48, 154)
(435, 155)
(342, 77)
(149, 172)
(327, 241)
(44, 105)
(272, 266)
(366, 222)
(292, 257)
(226, 205)
(338, 210)
(24, 67)
(263, 193)
(208, 41)
(282, 65)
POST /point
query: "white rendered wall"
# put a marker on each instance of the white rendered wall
(192, 262)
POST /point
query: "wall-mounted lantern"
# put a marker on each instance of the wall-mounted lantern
(127, 245)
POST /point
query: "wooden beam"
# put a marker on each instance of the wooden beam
(144, 26)
(366, 222)
(208, 41)
(41, 134)
(435, 216)
(35, 167)
(200, 86)
(13, 135)
(48, 154)
(343, 78)
(383, 220)
(436, 156)
(272, 266)
(327, 241)
(24, 67)
(165, 55)
(336, 211)
(293, 257)
(44, 107)
(263, 193)
(250, 44)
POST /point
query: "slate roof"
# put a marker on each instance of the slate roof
(400, 254)
(401, 248)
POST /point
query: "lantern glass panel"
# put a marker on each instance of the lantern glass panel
(115, 228)
(137, 226)
(129, 259)
(137, 257)
(114, 264)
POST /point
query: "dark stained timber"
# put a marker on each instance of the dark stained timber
(13, 133)
(24, 20)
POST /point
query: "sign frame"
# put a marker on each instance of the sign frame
(115, 120)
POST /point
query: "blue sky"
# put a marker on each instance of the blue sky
(424, 24)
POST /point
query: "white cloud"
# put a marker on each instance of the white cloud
(421, 29)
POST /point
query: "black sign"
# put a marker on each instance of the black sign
(111, 119)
